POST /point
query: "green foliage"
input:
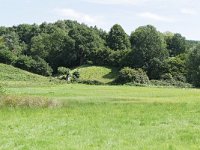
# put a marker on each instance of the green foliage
(177, 67)
(63, 71)
(127, 75)
(37, 65)
(156, 68)
(7, 57)
(118, 39)
(166, 76)
(24, 62)
(86, 42)
(147, 43)
(170, 83)
(90, 82)
(76, 75)
(118, 58)
(41, 48)
(26, 32)
(193, 65)
(100, 57)
(40, 66)
(176, 44)
(39, 45)
(12, 43)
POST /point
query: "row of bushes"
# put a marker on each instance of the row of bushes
(139, 77)
(35, 65)
(66, 74)
(128, 76)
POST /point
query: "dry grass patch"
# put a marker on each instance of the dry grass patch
(28, 101)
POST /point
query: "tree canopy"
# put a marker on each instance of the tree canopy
(118, 39)
(44, 48)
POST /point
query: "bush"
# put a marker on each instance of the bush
(127, 75)
(91, 82)
(170, 83)
(63, 71)
(156, 68)
(7, 57)
(180, 77)
(166, 76)
(37, 65)
(24, 62)
(76, 75)
(40, 66)
(177, 67)
(193, 65)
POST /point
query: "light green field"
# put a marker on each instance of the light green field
(102, 117)
(98, 73)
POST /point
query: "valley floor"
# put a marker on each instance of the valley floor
(103, 117)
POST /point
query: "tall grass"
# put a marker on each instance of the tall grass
(29, 102)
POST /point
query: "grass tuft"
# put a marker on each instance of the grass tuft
(30, 102)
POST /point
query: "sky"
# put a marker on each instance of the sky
(177, 16)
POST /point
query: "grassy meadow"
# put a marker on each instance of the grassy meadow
(99, 117)
(98, 73)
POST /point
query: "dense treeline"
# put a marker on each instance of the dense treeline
(43, 48)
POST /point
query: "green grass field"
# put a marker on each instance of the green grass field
(98, 73)
(101, 117)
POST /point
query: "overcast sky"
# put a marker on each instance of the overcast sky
(180, 16)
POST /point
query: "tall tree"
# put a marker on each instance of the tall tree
(147, 43)
(176, 45)
(194, 66)
(118, 39)
(86, 42)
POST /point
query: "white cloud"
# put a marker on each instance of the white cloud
(120, 2)
(115, 2)
(187, 11)
(155, 17)
(72, 14)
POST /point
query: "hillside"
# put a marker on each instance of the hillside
(10, 73)
(11, 76)
(98, 73)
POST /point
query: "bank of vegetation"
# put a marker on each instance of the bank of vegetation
(145, 55)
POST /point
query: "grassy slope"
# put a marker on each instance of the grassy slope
(102, 74)
(10, 73)
(11, 76)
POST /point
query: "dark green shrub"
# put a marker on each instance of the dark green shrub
(177, 67)
(180, 77)
(40, 66)
(170, 83)
(90, 82)
(63, 71)
(193, 66)
(156, 68)
(7, 57)
(24, 62)
(37, 65)
(166, 76)
(76, 75)
(127, 75)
